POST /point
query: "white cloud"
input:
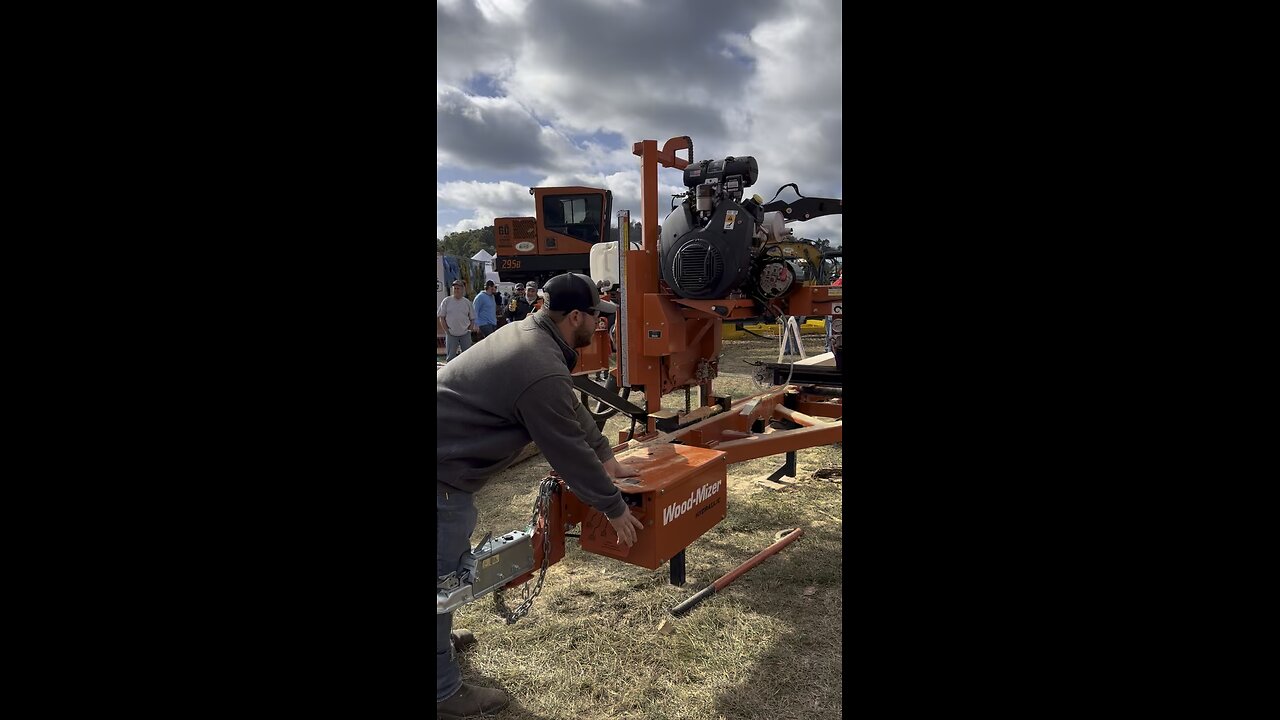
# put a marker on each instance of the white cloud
(502, 10)
(494, 133)
(469, 41)
(486, 200)
(764, 80)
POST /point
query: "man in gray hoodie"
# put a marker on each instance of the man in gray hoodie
(512, 389)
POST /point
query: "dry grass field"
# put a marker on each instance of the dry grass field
(768, 647)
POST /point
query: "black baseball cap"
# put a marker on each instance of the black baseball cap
(575, 291)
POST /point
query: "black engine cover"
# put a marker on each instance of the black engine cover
(709, 262)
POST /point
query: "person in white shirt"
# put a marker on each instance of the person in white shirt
(457, 318)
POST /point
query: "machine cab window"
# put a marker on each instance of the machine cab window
(577, 216)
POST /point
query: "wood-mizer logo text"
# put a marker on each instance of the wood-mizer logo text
(676, 510)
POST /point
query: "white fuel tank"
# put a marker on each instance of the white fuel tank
(604, 262)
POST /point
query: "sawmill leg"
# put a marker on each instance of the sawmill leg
(788, 467)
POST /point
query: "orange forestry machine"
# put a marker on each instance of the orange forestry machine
(567, 222)
(714, 258)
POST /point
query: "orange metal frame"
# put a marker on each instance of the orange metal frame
(704, 451)
(690, 479)
(744, 432)
(674, 343)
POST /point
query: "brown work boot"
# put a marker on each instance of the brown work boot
(472, 700)
(462, 639)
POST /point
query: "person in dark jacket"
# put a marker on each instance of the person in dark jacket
(527, 303)
(493, 400)
(606, 322)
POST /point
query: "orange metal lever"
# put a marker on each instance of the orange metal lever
(734, 574)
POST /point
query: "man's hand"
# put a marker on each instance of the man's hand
(626, 525)
(617, 470)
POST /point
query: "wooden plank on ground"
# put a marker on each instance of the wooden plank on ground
(783, 482)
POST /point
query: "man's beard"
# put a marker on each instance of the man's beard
(582, 335)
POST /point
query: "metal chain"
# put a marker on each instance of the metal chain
(541, 506)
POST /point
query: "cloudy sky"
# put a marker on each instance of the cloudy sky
(554, 92)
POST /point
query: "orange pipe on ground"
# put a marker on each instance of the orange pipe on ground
(723, 582)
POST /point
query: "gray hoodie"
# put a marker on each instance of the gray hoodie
(512, 388)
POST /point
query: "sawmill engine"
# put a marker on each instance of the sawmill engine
(714, 244)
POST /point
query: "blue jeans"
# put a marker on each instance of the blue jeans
(487, 330)
(452, 343)
(455, 521)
